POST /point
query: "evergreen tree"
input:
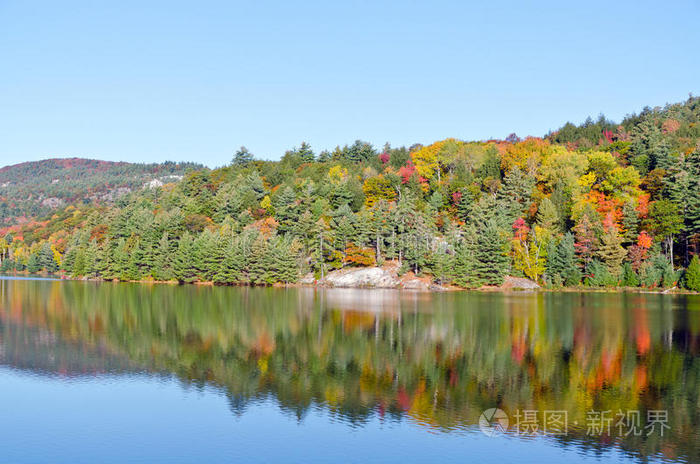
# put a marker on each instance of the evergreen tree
(162, 268)
(610, 251)
(692, 275)
(184, 269)
(242, 157)
(465, 260)
(465, 205)
(492, 261)
(515, 193)
(285, 262)
(630, 221)
(547, 216)
(46, 258)
(562, 267)
(205, 256)
(232, 264)
(286, 210)
(692, 216)
(305, 153)
(599, 275)
(260, 269)
(629, 277)
(33, 263)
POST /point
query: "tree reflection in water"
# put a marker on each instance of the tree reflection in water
(438, 360)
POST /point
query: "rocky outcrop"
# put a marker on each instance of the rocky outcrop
(518, 283)
(368, 277)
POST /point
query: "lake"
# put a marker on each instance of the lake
(114, 372)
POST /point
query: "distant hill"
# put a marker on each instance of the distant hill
(33, 189)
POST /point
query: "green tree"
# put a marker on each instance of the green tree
(184, 269)
(610, 251)
(665, 222)
(242, 157)
(692, 275)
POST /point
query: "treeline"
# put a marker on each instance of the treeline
(623, 211)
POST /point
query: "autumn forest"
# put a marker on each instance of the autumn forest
(599, 204)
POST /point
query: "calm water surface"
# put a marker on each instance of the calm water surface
(103, 372)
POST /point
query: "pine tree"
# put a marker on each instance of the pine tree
(465, 205)
(561, 266)
(629, 277)
(206, 259)
(231, 265)
(305, 153)
(492, 261)
(162, 269)
(242, 157)
(692, 275)
(135, 268)
(286, 210)
(465, 260)
(104, 264)
(610, 251)
(120, 256)
(91, 256)
(515, 193)
(260, 269)
(182, 262)
(46, 258)
(630, 221)
(547, 216)
(442, 265)
(285, 262)
(599, 275)
(692, 216)
(33, 263)
(79, 265)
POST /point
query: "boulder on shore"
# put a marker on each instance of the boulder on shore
(368, 277)
(518, 283)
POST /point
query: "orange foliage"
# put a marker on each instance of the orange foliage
(644, 240)
(610, 209)
(360, 256)
(643, 205)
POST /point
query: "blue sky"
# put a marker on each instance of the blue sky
(155, 81)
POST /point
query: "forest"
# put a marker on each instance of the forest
(36, 188)
(599, 204)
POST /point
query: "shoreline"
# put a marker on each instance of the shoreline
(441, 289)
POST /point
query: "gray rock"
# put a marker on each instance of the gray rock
(368, 277)
(519, 283)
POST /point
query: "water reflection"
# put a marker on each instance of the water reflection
(436, 360)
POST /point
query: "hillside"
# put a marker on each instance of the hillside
(598, 204)
(34, 189)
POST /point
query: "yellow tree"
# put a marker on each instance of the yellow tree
(529, 250)
(377, 188)
(431, 160)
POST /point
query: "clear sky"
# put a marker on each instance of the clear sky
(169, 80)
